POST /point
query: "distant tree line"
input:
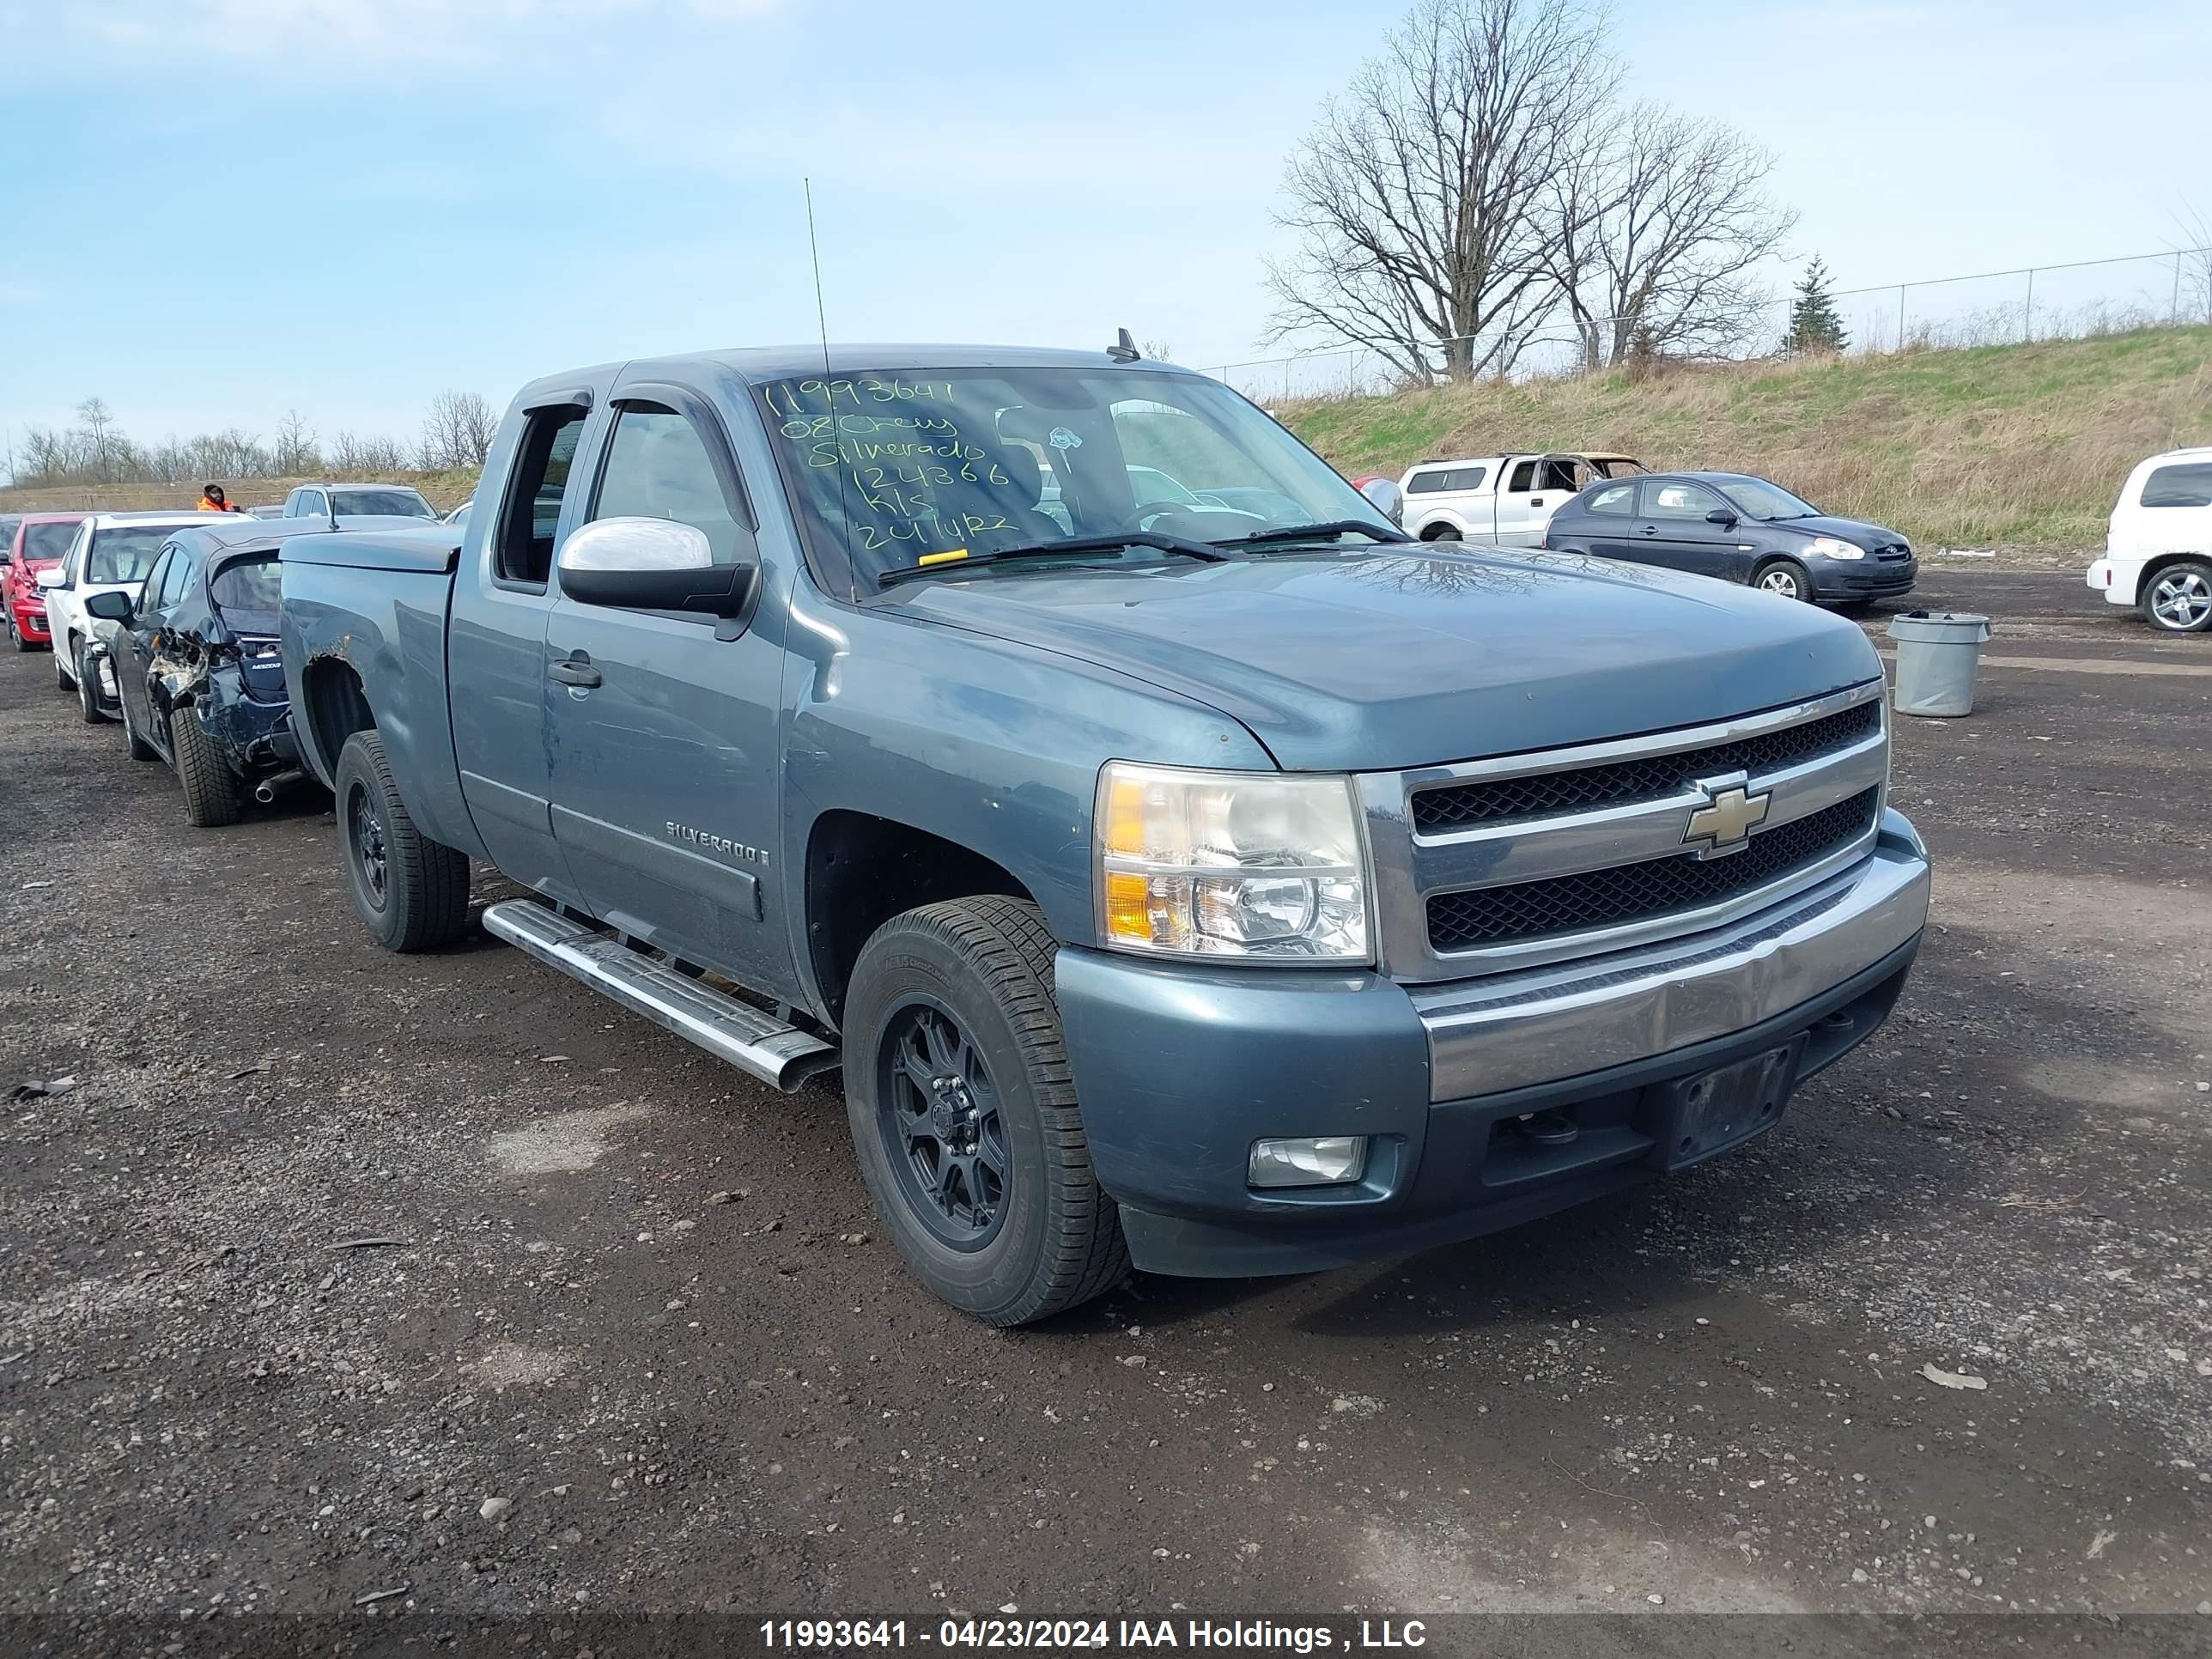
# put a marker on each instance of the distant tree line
(457, 432)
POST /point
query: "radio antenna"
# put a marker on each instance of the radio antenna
(814, 247)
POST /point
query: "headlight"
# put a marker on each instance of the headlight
(1828, 547)
(1230, 864)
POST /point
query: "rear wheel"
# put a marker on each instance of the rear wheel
(963, 1113)
(2178, 598)
(87, 686)
(411, 891)
(1782, 578)
(1442, 532)
(211, 788)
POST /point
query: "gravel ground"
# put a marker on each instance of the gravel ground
(339, 1274)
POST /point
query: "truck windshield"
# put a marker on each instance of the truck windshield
(893, 467)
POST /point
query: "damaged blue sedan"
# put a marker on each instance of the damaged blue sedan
(198, 672)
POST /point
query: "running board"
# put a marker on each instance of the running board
(737, 1031)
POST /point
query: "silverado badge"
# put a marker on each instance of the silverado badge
(1724, 822)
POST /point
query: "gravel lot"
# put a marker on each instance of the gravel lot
(339, 1274)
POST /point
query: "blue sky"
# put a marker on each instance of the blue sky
(214, 211)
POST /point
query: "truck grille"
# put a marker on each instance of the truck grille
(1648, 777)
(1626, 893)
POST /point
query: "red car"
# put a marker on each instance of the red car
(40, 541)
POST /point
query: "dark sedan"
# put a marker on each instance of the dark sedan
(1739, 528)
(198, 672)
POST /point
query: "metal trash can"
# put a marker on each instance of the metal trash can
(1936, 655)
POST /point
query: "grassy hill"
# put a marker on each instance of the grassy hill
(1996, 446)
(442, 489)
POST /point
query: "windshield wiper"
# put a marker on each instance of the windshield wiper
(1118, 542)
(1319, 532)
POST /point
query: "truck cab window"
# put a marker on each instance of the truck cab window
(530, 515)
(658, 467)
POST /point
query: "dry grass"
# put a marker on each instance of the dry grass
(1997, 446)
(443, 490)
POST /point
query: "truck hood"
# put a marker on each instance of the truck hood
(1400, 658)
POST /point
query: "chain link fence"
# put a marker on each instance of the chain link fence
(2070, 301)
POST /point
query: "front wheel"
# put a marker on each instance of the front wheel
(16, 634)
(963, 1113)
(1783, 580)
(411, 891)
(2178, 599)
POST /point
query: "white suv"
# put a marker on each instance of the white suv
(112, 554)
(2158, 544)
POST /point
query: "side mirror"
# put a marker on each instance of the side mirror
(50, 580)
(653, 564)
(1386, 497)
(110, 607)
(1720, 516)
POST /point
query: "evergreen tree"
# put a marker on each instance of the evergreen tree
(1814, 323)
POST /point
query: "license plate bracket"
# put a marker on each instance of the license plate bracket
(1702, 1116)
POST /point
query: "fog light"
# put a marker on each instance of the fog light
(1308, 1161)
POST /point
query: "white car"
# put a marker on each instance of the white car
(2158, 543)
(1504, 501)
(112, 554)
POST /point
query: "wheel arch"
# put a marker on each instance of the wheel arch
(861, 870)
(334, 706)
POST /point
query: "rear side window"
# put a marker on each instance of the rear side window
(1616, 499)
(177, 582)
(532, 512)
(1669, 499)
(2186, 485)
(1425, 483)
(1454, 477)
(658, 467)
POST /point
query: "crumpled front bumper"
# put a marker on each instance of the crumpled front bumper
(1179, 1070)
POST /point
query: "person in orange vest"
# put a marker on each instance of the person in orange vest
(212, 501)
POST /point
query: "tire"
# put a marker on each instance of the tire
(1784, 578)
(87, 687)
(62, 659)
(16, 634)
(412, 892)
(2178, 600)
(140, 749)
(211, 788)
(1035, 1235)
(1441, 533)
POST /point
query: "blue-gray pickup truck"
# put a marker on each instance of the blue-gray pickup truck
(1205, 879)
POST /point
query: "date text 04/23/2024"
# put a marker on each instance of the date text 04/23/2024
(1092, 1635)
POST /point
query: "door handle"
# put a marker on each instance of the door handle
(1650, 529)
(1535, 501)
(574, 671)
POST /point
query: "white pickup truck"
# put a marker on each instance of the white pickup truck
(1504, 501)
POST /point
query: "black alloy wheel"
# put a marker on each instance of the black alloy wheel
(939, 1114)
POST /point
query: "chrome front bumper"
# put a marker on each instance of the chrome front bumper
(1508, 1031)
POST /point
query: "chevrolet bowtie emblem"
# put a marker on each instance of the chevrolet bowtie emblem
(1724, 823)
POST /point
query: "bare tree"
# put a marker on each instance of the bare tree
(99, 436)
(1657, 226)
(1420, 196)
(458, 431)
(2192, 263)
(293, 454)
